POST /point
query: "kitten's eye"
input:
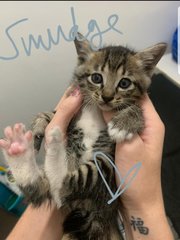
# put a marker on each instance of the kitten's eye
(96, 78)
(124, 83)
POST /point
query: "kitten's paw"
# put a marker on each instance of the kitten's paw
(118, 135)
(17, 141)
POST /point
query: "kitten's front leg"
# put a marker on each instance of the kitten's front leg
(38, 127)
(18, 151)
(126, 123)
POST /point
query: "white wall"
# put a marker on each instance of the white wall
(29, 84)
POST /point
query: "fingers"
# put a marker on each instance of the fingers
(154, 127)
(67, 108)
(68, 91)
(149, 110)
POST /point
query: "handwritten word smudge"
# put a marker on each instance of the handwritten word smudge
(94, 33)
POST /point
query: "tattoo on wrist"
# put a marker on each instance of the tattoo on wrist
(138, 225)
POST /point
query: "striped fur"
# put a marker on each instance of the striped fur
(70, 176)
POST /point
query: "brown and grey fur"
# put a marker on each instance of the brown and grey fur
(70, 176)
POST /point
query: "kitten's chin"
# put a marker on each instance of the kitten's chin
(105, 107)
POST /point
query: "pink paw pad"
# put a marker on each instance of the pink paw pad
(16, 149)
(17, 139)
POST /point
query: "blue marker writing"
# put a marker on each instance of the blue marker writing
(38, 41)
(119, 191)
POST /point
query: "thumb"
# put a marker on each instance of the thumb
(66, 110)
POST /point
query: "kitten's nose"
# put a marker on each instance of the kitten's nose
(107, 98)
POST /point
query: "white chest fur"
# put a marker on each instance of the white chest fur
(92, 123)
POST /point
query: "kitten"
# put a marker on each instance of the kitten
(112, 78)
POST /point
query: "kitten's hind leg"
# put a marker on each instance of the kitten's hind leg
(19, 153)
(55, 161)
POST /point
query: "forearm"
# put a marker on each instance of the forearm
(41, 223)
(148, 224)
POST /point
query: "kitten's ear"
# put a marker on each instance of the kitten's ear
(83, 47)
(151, 56)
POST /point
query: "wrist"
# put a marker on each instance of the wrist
(147, 223)
(141, 201)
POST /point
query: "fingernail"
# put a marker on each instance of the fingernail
(75, 92)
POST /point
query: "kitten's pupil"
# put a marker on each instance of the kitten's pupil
(124, 83)
(96, 78)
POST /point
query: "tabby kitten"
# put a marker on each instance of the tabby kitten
(112, 78)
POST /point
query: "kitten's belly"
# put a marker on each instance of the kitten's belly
(91, 122)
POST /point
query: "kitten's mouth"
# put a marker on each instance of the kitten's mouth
(105, 107)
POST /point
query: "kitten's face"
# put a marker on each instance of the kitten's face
(112, 76)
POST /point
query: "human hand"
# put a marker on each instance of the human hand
(67, 107)
(142, 201)
(145, 189)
